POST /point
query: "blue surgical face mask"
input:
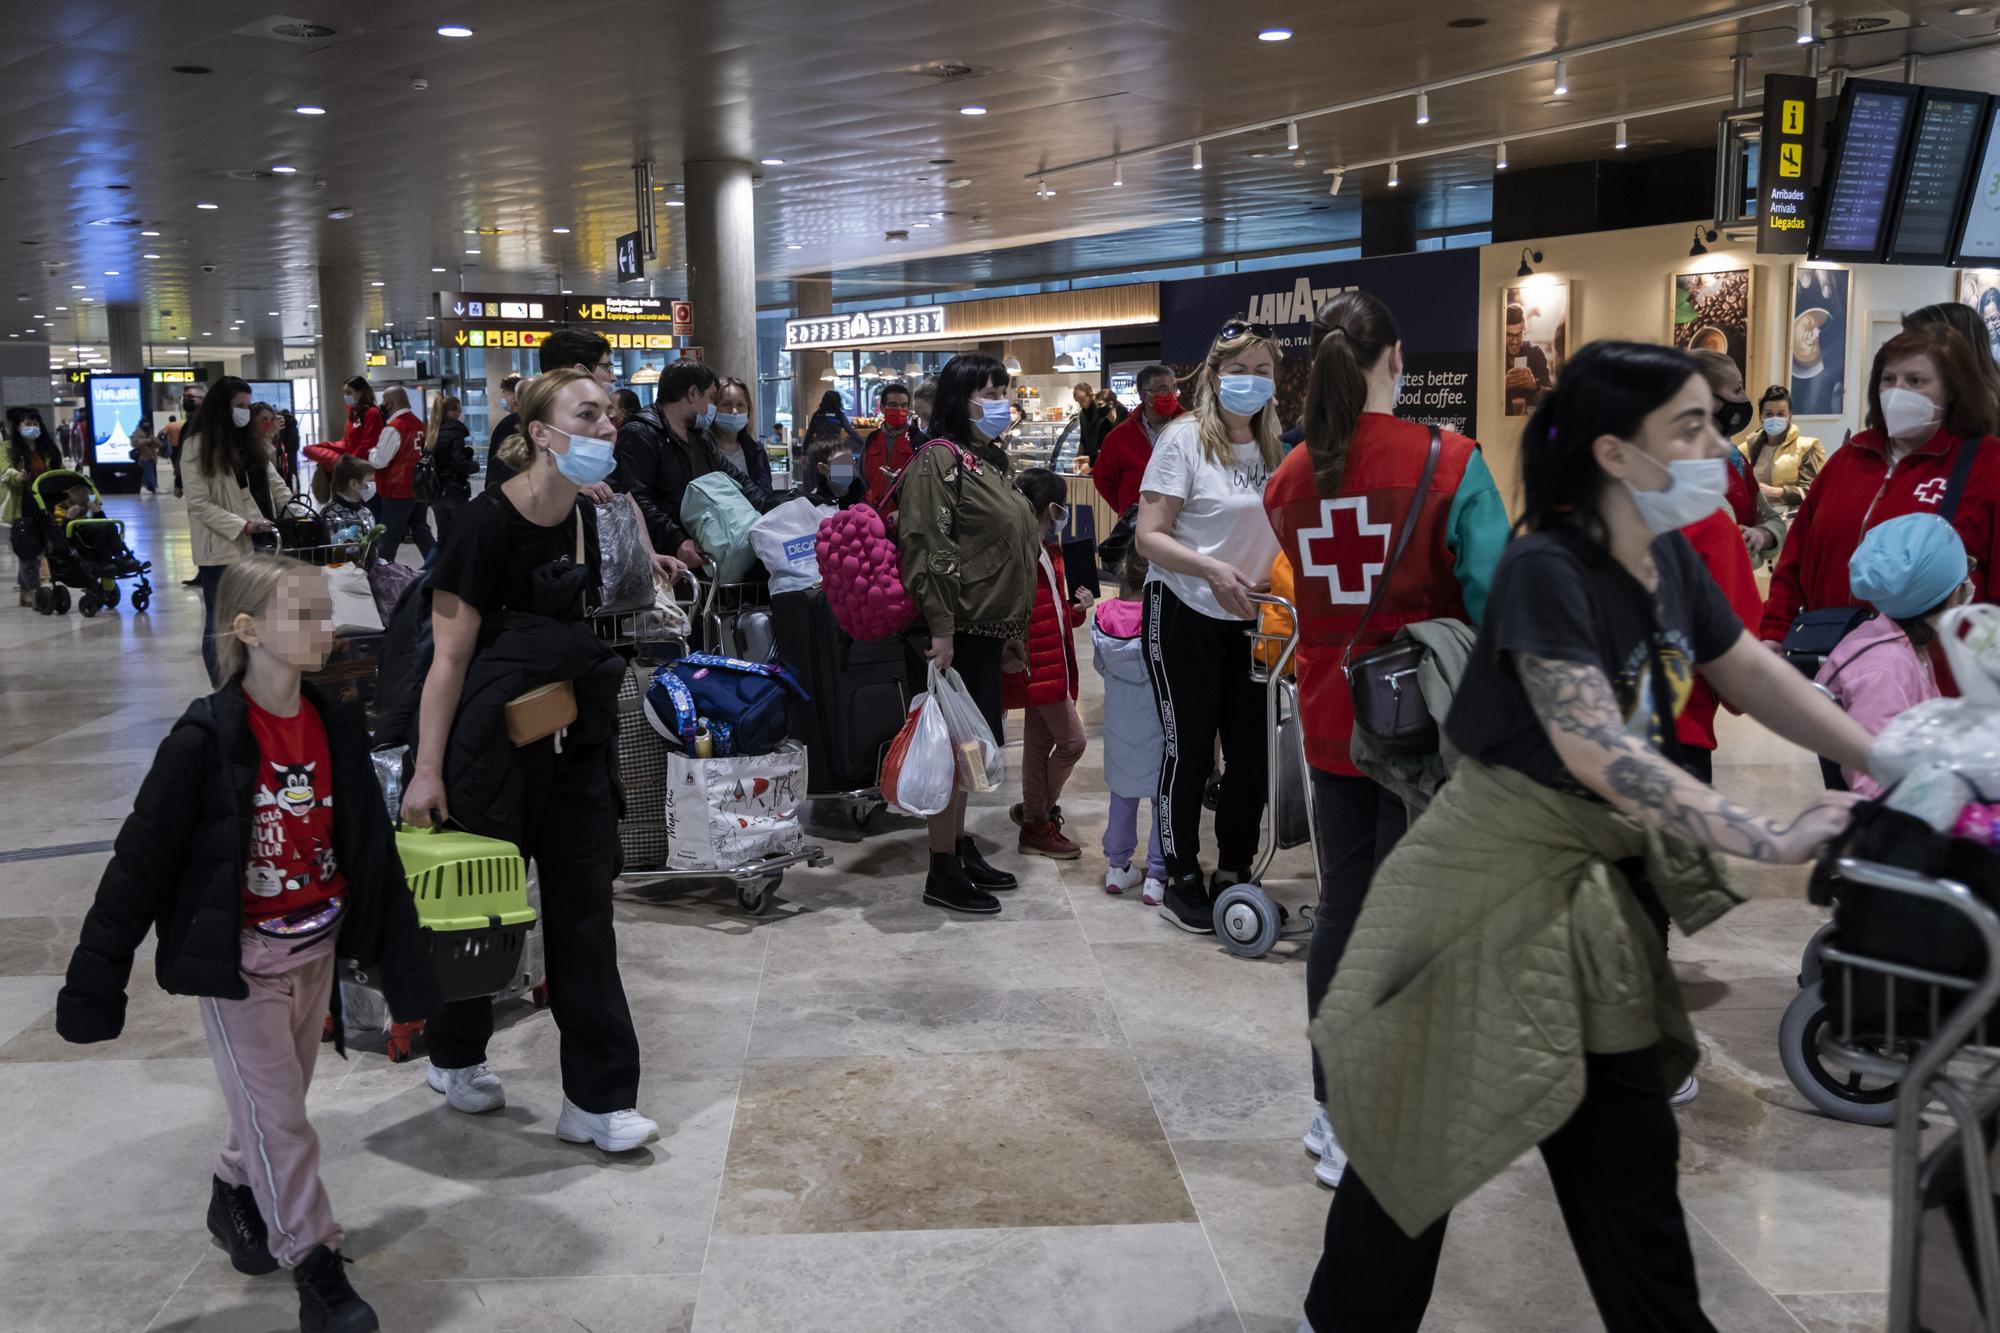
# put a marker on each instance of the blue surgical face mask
(706, 415)
(1244, 395)
(733, 422)
(994, 418)
(589, 460)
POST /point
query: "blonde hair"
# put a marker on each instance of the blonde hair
(441, 406)
(1215, 442)
(394, 400)
(245, 590)
(535, 400)
(749, 399)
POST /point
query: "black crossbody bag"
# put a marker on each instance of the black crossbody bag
(1388, 707)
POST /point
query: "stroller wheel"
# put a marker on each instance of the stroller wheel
(141, 599)
(1247, 921)
(60, 597)
(1819, 1074)
(110, 594)
(87, 604)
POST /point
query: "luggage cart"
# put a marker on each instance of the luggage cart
(635, 635)
(735, 620)
(754, 881)
(1248, 921)
(357, 552)
(1944, 1053)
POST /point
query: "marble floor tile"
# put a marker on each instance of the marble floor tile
(1799, 1231)
(39, 946)
(901, 1021)
(1839, 1311)
(1020, 1139)
(985, 952)
(91, 1277)
(1072, 1279)
(1264, 1215)
(620, 1303)
(24, 1001)
(158, 1026)
(51, 886)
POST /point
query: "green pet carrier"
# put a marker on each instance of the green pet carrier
(472, 901)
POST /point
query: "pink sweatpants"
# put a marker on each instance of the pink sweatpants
(1052, 741)
(264, 1047)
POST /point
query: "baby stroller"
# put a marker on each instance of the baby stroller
(83, 549)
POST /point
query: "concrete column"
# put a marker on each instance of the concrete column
(128, 348)
(267, 356)
(813, 296)
(722, 266)
(343, 342)
(497, 364)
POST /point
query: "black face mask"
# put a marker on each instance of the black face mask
(1732, 418)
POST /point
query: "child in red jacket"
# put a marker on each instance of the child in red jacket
(1052, 739)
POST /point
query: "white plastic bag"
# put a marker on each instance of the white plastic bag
(1971, 637)
(785, 541)
(723, 813)
(353, 601)
(982, 765)
(918, 768)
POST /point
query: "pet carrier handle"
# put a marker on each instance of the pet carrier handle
(437, 822)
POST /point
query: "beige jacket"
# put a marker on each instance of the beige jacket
(218, 508)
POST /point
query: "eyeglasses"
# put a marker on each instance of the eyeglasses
(1236, 328)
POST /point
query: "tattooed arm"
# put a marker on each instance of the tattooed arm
(1577, 708)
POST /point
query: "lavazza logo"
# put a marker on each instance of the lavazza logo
(1292, 306)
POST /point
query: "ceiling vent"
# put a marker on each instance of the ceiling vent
(283, 28)
(1854, 27)
(897, 235)
(947, 71)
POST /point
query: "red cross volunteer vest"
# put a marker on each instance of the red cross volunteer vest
(1339, 547)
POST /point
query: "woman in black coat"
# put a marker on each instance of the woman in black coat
(449, 445)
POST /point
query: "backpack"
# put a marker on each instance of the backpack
(719, 518)
(751, 700)
(860, 568)
(425, 484)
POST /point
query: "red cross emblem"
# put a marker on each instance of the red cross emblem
(1346, 550)
(1931, 492)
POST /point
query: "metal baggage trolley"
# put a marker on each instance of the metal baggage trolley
(1943, 1052)
(1248, 921)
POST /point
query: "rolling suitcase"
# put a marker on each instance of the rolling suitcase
(642, 771)
(859, 689)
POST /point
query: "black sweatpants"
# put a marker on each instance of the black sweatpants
(570, 832)
(1614, 1164)
(1201, 682)
(1357, 822)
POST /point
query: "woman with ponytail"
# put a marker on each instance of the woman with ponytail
(1336, 505)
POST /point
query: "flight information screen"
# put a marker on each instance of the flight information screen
(1874, 120)
(1936, 170)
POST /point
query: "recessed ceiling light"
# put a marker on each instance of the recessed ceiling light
(920, 226)
(339, 214)
(206, 334)
(313, 307)
(270, 312)
(149, 233)
(86, 299)
(566, 291)
(208, 207)
(388, 323)
(453, 30)
(772, 161)
(675, 203)
(76, 287)
(310, 110)
(283, 170)
(149, 256)
(1556, 102)
(560, 231)
(110, 272)
(435, 268)
(472, 252)
(972, 111)
(795, 247)
(62, 307)
(374, 284)
(1275, 35)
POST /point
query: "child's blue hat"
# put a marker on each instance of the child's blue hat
(1908, 565)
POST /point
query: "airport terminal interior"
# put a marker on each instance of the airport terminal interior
(602, 235)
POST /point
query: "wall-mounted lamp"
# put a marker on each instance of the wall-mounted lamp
(1701, 234)
(1529, 258)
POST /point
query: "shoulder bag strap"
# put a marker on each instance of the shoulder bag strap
(1397, 546)
(957, 477)
(1968, 453)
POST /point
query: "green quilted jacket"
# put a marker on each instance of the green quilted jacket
(1498, 943)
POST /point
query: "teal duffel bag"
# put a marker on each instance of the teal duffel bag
(719, 518)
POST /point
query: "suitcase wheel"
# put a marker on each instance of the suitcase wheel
(863, 812)
(399, 1039)
(540, 995)
(1247, 921)
(756, 898)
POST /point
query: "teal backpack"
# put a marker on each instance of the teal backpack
(719, 518)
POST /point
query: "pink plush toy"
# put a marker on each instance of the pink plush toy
(864, 582)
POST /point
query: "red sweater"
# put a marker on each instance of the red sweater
(393, 481)
(1051, 650)
(364, 430)
(877, 454)
(1121, 462)
(1858, 489)
(1718, 540)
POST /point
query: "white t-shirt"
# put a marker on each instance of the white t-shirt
(1222, 511)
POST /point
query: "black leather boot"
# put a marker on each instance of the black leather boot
(327, 1303)
(977, 870)
(947, 887)
(238, 1228)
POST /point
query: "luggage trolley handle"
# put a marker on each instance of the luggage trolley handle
(1276, 687)
(1921, 1082)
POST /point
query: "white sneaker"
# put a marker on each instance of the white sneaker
(615, 1131)
(1318, 1134)
(1332, 1163)
(1154, 893)
(1118, 879)
(1685, 1092)
(473, 1091)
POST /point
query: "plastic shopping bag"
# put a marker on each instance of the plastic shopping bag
(723, 813)
(917, 771)
(786, 540)
(354, 610)
(1957, 738)
(625, 572)
(982, 765)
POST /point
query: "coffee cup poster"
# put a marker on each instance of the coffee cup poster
(1817, 341)
(1535, 334)
(1712, 311)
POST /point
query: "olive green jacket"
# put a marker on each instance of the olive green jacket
(968, 545)
(1498, 943)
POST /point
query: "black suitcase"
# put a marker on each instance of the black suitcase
(860, 692)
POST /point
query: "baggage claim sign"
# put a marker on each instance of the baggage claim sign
(524, 320)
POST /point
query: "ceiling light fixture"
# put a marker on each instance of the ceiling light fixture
(1012, 364)
(1291, 136)
(437, 268)
(1529, 258)
(1500, 156)
(675, 203)
(1395, 175)
(149, 256)
(1423, 108)
(1805, 24)
(453, 30)
(110, 272)
(1117, 171)
(271, 313)
(1196, 164)
(1562, 76)
(560, 231)
(1339, 174)
(283, 171)
(1275, 35)
(310, 110)
(1618, 140)
(76, 287)
(827, 376)
(795, 247)
(472, 252)
(207, 207)
(375, 284)
(149, 233)
(772, 161)
(1701, 234)
(973, 110)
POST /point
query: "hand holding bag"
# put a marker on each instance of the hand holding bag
(982, 764)
(918, 770)
(1388, 706)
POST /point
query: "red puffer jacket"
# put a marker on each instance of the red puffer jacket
(364, 428)
(392, 482)
(1051, 669)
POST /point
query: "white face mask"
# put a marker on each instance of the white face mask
(366, 493)
(240, 415)
(1907, 414)
(1696, 488)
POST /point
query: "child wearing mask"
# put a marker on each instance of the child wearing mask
(1133, 742)
(1912, 570)
(1052, 738)
(234, 857)
(347, 514)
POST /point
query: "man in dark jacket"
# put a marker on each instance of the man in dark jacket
(667, 446)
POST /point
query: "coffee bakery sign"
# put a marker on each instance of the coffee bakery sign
(864, 327)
